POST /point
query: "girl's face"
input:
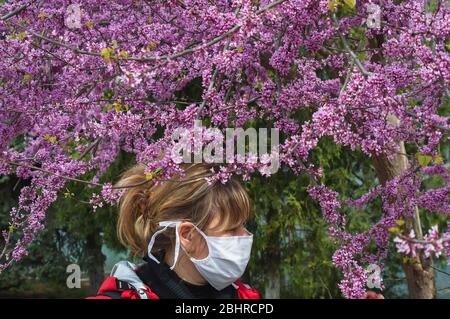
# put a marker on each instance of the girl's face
(194, 245)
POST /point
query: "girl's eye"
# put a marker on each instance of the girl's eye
(231, 231)
(237, 231)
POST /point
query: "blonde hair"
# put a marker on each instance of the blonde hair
(188, 197)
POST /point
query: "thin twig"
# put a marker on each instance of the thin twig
(349, 49)
(94, 144)
(423, 241)
(158, 171)
(441, 271)
(213, 77)
(14, 13)
(347, 78)
(49, 172)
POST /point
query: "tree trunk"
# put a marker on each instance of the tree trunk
(420, 275)
(95, 261)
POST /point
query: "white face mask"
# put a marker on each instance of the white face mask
(227, 259)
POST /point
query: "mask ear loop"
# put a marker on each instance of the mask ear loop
(206, 240)
(177, 246)
(177, 243)
(152, 240)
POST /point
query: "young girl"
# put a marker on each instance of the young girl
(190, 233)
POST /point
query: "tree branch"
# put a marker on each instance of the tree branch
(14, 13)
(349, 49)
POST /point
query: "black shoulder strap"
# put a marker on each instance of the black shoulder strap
(177, 289)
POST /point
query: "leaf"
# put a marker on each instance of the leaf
(108, 107)
(68, 194)
(22, 36)
(151, 46)
(118, 107)
(259, 85)
(423, 159)
(332, 5)
(11, 228)
(438, 159)
(350, 3)
(51, 139)
(42, 16)
(108, 94)
(75, 155)
(394, 230)
(400, 222)
(124, 54)
(106, 54)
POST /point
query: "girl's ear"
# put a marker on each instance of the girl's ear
(185, 231)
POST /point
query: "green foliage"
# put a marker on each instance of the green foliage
(73, 234)
(290, 239)
(46, 262)
(75, 215)
(290, 234)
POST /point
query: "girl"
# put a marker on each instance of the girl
(190, 233)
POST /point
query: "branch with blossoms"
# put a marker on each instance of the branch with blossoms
(166, 57)
(432, 244)
(398, 205)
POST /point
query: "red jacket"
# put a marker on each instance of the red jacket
(123, 283)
